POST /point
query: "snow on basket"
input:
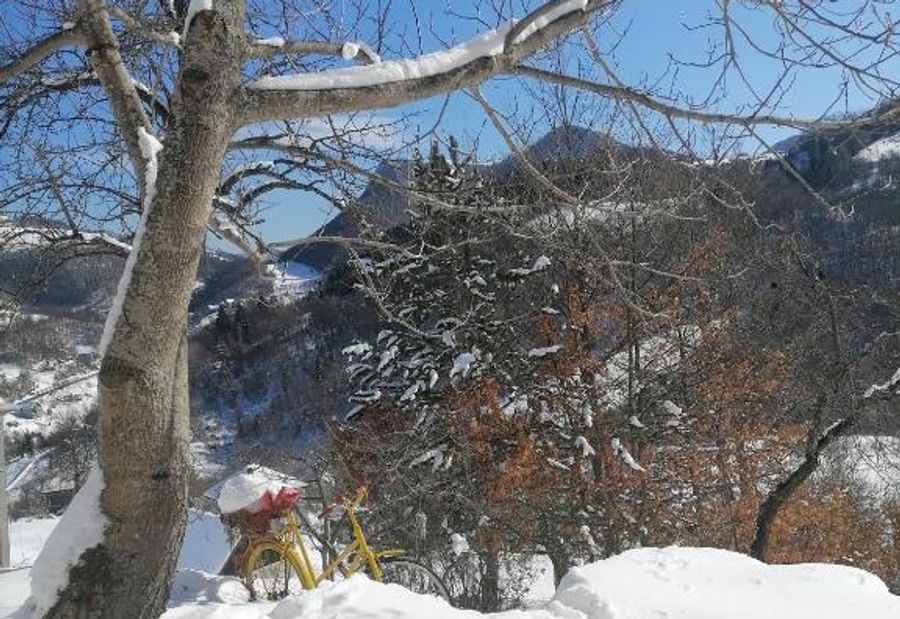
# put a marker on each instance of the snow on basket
(258, 490)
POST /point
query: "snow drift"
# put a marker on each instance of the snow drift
(650, 583)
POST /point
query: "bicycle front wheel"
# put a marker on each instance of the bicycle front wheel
(412, 575)
(271, 572)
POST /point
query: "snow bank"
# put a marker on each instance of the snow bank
(206, 546)
(27, 537)
(704, 583)
(80, 529)
(667, 583)
(649, 583)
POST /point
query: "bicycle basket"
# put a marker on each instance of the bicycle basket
(257, 518)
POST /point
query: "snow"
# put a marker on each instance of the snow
(648, 583)
(562, 9)
(586, 450)
(195, 7)
(243, 490)
(292, 280)
(459, 544)
(271, 42)
(671, 408)
(870, 463)
(543, 352)
(81, 528)
(42, 410)
(150, 149)
(462, 364)
(620, 450)
(206, 546)
(27, 537)
(349, 50)
(884, 387)
(357, 350)
(541, 263)
(635, 422)
(704, 583)
(885, 148)
(485, 45)
(436, 456)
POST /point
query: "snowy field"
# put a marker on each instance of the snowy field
(668, 583)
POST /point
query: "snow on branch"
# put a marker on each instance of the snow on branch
(40, 50)
(391, 83)
(350, 50)
(150, 149)
(483, 46)
(883, 388)
(194, 8)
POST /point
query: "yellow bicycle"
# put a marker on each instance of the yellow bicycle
(279, 562)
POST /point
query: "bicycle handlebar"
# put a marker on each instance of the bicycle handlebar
(345, 504)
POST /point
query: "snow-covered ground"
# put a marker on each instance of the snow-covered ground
(870, 463)
(293, 279)
(650, 583)
(43, 414)
(885, 148)
(206, 547)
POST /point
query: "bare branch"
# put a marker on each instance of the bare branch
(114, 77)
(621, 93)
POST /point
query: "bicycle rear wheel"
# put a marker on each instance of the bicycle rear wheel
(271, 572)
(412, 575)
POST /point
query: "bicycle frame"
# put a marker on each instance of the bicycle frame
(290, 543)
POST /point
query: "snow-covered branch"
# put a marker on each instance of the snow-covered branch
(276, 46)
(31, 57)
(392, 83)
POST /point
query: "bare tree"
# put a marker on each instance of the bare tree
(199, 97)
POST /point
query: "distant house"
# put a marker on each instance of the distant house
(85, 354)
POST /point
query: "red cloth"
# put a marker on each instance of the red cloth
(276, 505)
(255, 519)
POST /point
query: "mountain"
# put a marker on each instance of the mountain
(381, 207)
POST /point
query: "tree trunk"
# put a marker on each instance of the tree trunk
(770, 508)
(490, 583)
(143, 387)
(561, 566)
(4, 516)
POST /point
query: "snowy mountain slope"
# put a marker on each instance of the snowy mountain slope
(885, 148)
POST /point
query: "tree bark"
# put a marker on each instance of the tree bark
(143, 388)
(490, 585)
